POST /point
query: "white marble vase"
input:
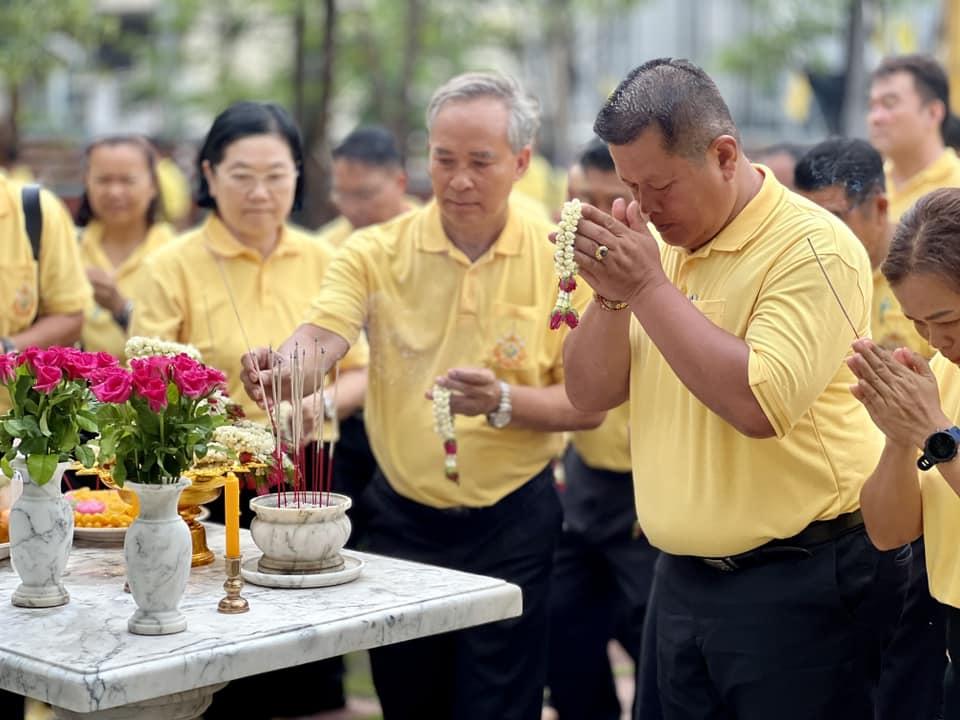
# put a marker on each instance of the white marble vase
(41, 533)
(157, 549)
(302, 533)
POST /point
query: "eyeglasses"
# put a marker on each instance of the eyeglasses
(247, 182)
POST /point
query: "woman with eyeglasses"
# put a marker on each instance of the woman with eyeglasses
(118, 215)
(245, 278)
(915, 488)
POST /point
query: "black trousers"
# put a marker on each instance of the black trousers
(911, 679)
(491, 671)
(602, 574)
(951, 678)
(793, 639)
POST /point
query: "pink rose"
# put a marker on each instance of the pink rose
(80, 365)
(155, 366)
(55, 356)
(114, 385)
(8, 367)
(151, 389)
(106, 360)
(48, 377)
(29, 355)
(216, 379)
(185, 362)
(193, 382)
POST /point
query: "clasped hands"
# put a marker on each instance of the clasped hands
(899, 391)
(631, 264)
(474, 391)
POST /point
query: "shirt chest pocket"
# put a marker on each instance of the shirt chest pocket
(712, 309)
(19, 296)
(514, 340)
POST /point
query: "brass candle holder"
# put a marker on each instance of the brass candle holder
(233, 603)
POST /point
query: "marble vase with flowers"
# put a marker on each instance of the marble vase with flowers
(155, 418)
(40, 436)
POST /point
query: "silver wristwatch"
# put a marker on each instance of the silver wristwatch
(501, 417)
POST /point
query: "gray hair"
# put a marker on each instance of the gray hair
(524, 109)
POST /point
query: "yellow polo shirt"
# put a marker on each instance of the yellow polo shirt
(63, 286)
(608, 446)
(187, 288)
(100, 330)
(943, 172)
(704, 489)
(336, 231)
(889, 326)
(941, 505)
(60, 286)
(427, 309)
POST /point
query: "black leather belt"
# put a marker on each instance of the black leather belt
(795, 547)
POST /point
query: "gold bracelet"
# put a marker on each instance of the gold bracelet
(610, 305)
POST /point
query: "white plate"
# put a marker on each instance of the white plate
(4, 550)
(106, 536)
(352, 566)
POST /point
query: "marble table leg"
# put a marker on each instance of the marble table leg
(187, 705)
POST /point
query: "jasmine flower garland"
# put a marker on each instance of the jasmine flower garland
(443, 426)
(141, 347)
(566, 267)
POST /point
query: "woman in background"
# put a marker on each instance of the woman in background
(917, 406)
(118, 215)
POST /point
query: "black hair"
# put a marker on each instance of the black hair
(85, 212)
(371, 145)
(929, 79)
(240, 120)
(675, 96)
(596, 155)
(850, 163)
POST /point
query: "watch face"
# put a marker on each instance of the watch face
(941, 446)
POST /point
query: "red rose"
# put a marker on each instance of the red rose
(48, 377)
(29, 355)
(114, 385)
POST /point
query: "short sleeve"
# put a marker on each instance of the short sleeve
(64, 288)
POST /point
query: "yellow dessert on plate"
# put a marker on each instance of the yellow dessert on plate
(103, 508)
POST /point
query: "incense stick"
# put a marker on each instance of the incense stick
(833, 290)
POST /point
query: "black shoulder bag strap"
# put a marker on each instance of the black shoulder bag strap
(33, 220)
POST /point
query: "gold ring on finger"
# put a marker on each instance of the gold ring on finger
(601, 252)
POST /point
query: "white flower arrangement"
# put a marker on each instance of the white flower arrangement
(566, 267)
(140, 347)
(230, 442)
(443, 426)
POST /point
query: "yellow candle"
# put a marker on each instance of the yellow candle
(231, 513)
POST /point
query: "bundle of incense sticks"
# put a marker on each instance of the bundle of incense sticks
(321, 471)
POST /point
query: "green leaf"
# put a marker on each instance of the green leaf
(87, 423)
(119, 474)
(85, 455)
(5, 467)
(42, 467)
(16, 427)
(44, 425)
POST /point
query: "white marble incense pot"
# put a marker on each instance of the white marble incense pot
(304, 534)
(41, 533)
(158, 550)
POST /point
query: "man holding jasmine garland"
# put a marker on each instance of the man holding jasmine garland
(748, 450)
(459, 293)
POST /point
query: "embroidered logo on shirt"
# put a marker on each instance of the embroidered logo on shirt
(23, 300)
(510, 352)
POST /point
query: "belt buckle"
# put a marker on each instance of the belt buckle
(726, 564)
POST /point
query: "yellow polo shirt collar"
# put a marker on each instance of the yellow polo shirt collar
(432, 238)
(222, 242)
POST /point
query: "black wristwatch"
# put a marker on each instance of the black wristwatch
(940, 447)
(7, 345)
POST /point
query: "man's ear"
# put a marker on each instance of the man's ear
(523, 162)
(725, 151)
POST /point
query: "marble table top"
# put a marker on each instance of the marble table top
(80, 656)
